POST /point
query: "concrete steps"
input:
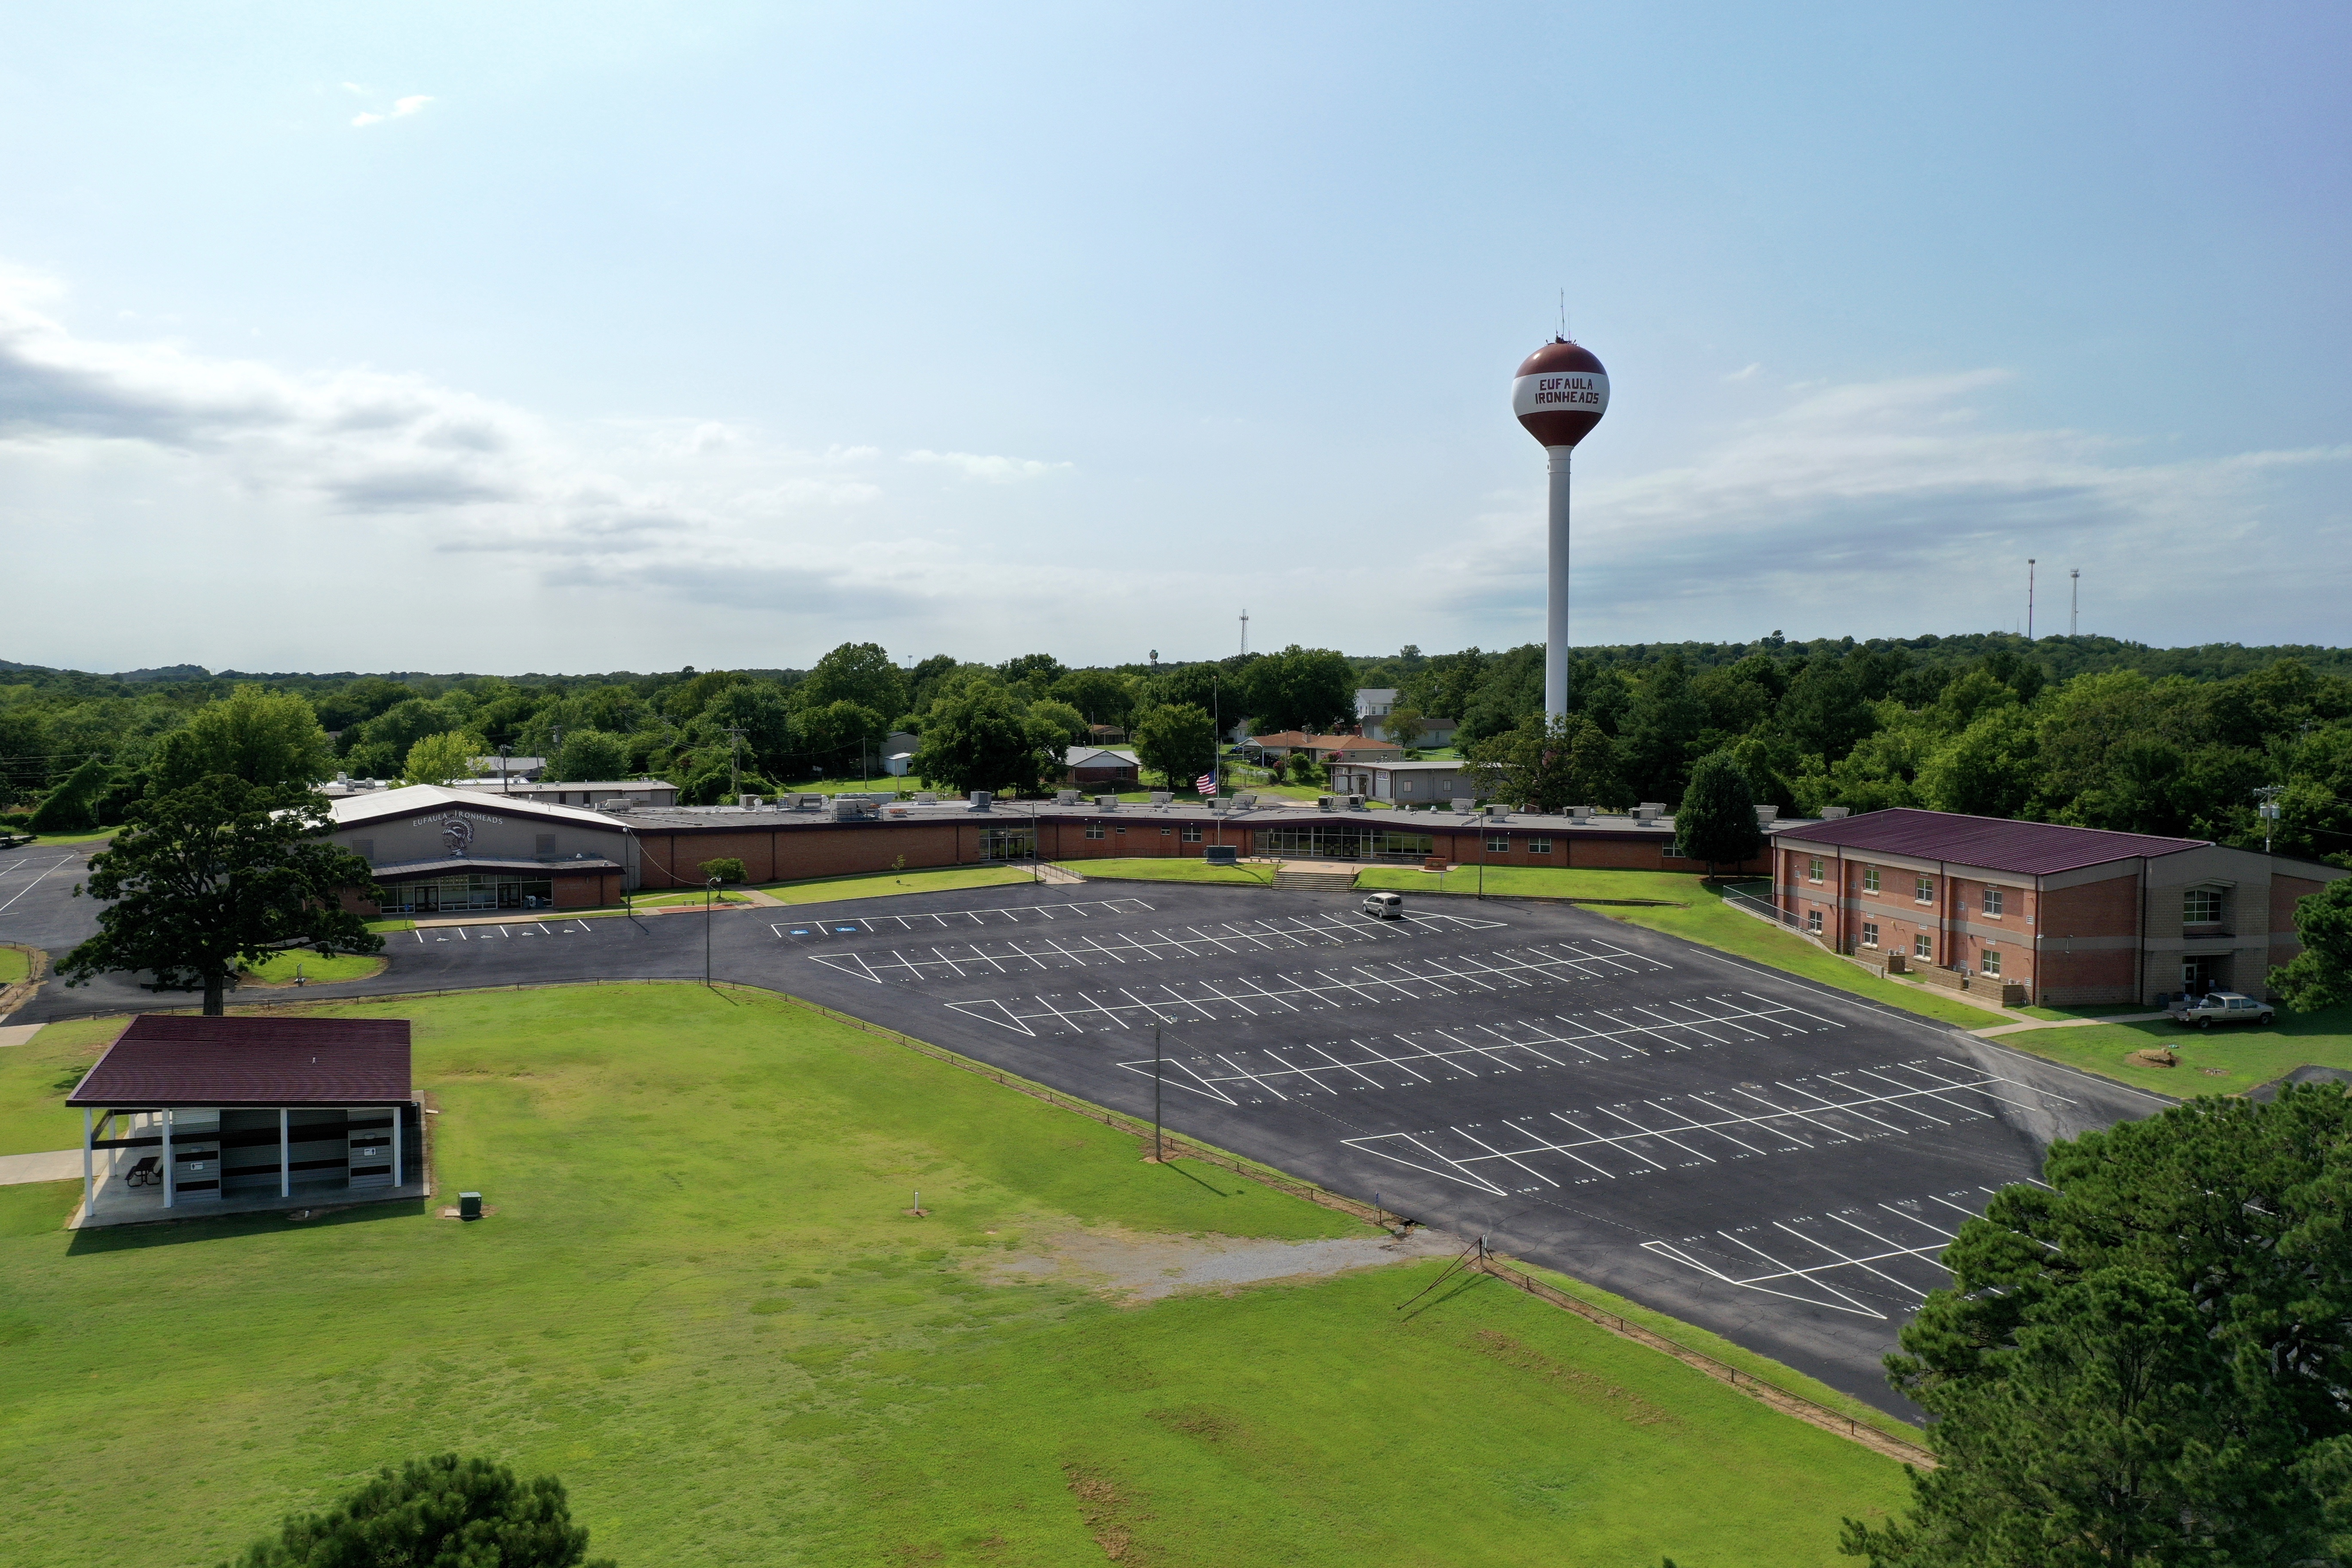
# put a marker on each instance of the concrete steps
(1290, 881)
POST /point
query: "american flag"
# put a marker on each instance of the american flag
(1205, 784)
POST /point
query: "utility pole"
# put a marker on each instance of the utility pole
(2075, 608)
(506, 773)
(2268, 811)
(709, 889)
(735, 761)
(2029, 598)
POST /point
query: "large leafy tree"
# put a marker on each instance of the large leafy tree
(442, 1513)
(1716, 819)
(1310, 688)
(262, 737)
(2146, 1361)
(980, 738)
(760, 710)
(2321, 974)
(588, 755)
(1176, 741)
(217, 875)
(859, 672)
(1549, 767)
(439, 758)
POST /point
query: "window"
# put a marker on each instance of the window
(1813, 869)
(1122, 833)
(1191, 835)
(1870, 878)
(447, 895)
(1995, 900)
(1094, 830)
(1345, 841)
(1927, 892)
(1539, 845)
(1813, 922)
(1924, 946)
(1991, 962)
(1870, 933)
(1499, 844)
(2201, 907)
(1008, 844)
(1166, 831)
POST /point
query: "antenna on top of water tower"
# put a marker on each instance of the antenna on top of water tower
(2075, 608)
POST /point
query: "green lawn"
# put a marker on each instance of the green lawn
(2225, 1061)
(1169, 869)
(883, 884)
(1705, 918)
(739, 1349)
(43, 840)
(15, 963)
(691, 896)
(316, 971)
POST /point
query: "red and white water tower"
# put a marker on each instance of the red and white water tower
(1560, 395)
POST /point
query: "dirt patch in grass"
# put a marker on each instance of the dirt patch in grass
(1133, 1269)
(1108, 1517)
(1497, 1345)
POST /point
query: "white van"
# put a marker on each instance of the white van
(1384, 906)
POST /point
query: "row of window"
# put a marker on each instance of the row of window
(1189, 835)
(1994, 901)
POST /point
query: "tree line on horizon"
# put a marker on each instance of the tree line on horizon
(2081, 730)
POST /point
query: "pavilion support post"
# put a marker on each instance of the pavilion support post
(170, 1191)
(285, 1156)
(399, 1165)
(88, 1167)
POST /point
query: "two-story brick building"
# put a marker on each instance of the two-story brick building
(2075, 915)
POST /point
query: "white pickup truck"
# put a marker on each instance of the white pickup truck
(2220, 1007)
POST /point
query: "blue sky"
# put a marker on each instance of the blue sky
(579, 336)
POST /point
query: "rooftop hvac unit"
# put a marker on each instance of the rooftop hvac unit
(803, 802)
(1218, 803)
(1106, 802)
(1323, 801)
(982, 799)
(1835, 813)
(851, 808)
(1065, 797)
(747, 802)
(1160, 797)
(1355, 803)
(926, 797)
(1245, 801)
(1464, 805)
(1765, 813)
(1498, 809)
(1655, 807)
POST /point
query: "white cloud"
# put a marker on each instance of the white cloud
(990, 469)
(402, 108)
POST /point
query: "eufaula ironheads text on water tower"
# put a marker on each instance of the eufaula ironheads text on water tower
(1560, 395)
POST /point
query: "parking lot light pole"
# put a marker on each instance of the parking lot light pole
(709, 890)
(1159, 1155)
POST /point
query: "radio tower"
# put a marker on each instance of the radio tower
(1560, 395)
(1245, 631)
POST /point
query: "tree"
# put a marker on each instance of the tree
(1103, 696)
(760, 711)
(1057, 724)
(727, 868)
(859, 672)
(979, 738)
(2321, 974)
(1716, 820)
(840, 729)
(72, 806)
(1404, 726)
(216, 876)
(1176, 741)
(437, 759)
(1298, 688)
(2142, 1361)
(1548, 767)
(587, 754)
(1660, 731)
(442, 1513)
(1991, 769)
(262, 737)
(1825, 712)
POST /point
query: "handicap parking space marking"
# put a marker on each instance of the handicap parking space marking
(1843, 1259)
(1680, 1132)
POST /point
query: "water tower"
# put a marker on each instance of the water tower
(1560, 395)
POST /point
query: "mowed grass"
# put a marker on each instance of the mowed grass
(1704, 918)
(700, 1300)
(1169, 868)
(280, 970)
(15, 962)
(885, 884)
(2223, 1061)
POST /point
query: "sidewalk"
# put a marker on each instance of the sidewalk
(2024, 1024)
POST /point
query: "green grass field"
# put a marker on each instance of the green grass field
(700, 1300)
(1705, 918)
(2225, 1061)
(691, 896)
(15, 964)
(316, 971)
(1169, 869)
(883, 884)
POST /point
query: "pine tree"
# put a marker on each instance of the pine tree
(1716, 820)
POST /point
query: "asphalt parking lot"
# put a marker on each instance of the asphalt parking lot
(1775, 1160)
(1772, 1160)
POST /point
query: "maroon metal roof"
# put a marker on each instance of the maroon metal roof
(2033, 848)
(178, 1059)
